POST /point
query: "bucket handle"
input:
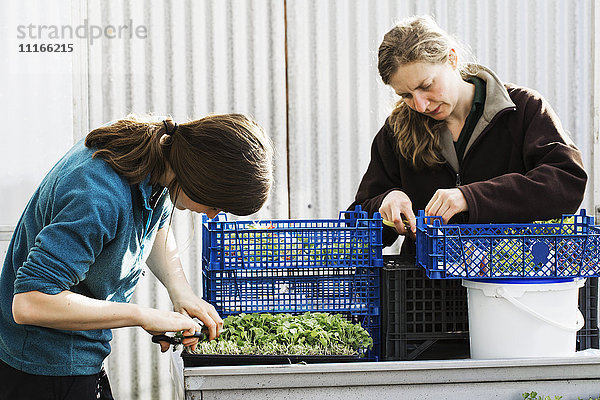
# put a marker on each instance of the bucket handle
(578, 325)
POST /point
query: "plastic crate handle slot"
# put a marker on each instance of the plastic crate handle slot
(351, 217)
(435, 250)
(578, 324)
(238, 245)
(581, 221)
(208, 226)
(372, 232)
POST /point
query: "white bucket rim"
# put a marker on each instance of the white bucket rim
(515, 288)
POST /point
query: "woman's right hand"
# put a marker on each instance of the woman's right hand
(396, 207)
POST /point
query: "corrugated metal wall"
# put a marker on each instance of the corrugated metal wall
(306, 70)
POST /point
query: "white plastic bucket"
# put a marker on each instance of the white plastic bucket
(517, 320)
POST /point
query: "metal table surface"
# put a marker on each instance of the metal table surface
(572, 377)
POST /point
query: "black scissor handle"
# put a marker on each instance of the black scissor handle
(178, 340)
(165, 338)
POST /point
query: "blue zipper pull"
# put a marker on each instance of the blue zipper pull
(457, 180)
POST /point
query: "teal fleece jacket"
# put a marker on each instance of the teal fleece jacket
(87, 230)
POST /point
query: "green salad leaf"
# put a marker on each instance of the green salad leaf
(288, 334)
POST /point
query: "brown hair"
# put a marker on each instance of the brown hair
(222, 161)
(417, 39)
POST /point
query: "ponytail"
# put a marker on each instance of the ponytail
(132, 148)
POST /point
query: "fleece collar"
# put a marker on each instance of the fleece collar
(496, 100)
(145, 189)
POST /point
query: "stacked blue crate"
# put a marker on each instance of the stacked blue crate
(296, 266)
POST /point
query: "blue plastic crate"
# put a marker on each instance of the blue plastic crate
(567, 249)
(352, 240)
(352, 291)
(294, 266)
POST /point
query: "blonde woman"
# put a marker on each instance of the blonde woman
(462, 144)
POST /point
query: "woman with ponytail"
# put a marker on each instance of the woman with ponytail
(102, 212)
(461, 144)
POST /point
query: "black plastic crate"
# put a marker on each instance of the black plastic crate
(422, 318)
(587, 337)
(426, 318)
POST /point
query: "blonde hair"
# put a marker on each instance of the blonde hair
(417, 39)
(222, 161)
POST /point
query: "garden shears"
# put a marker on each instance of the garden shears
(178, 338)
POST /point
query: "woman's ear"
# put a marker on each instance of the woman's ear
(453, 58)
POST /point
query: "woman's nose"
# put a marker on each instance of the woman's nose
(420, 103)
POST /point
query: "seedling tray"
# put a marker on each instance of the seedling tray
(212, 360)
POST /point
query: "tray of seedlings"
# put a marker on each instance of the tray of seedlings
(282, 338)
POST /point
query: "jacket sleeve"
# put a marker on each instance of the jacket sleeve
(382, 176)
(554, 180)
(82, 214)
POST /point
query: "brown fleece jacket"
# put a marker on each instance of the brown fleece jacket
(519, 166)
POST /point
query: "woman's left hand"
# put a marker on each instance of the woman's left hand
(446, 203)
(191, 305)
